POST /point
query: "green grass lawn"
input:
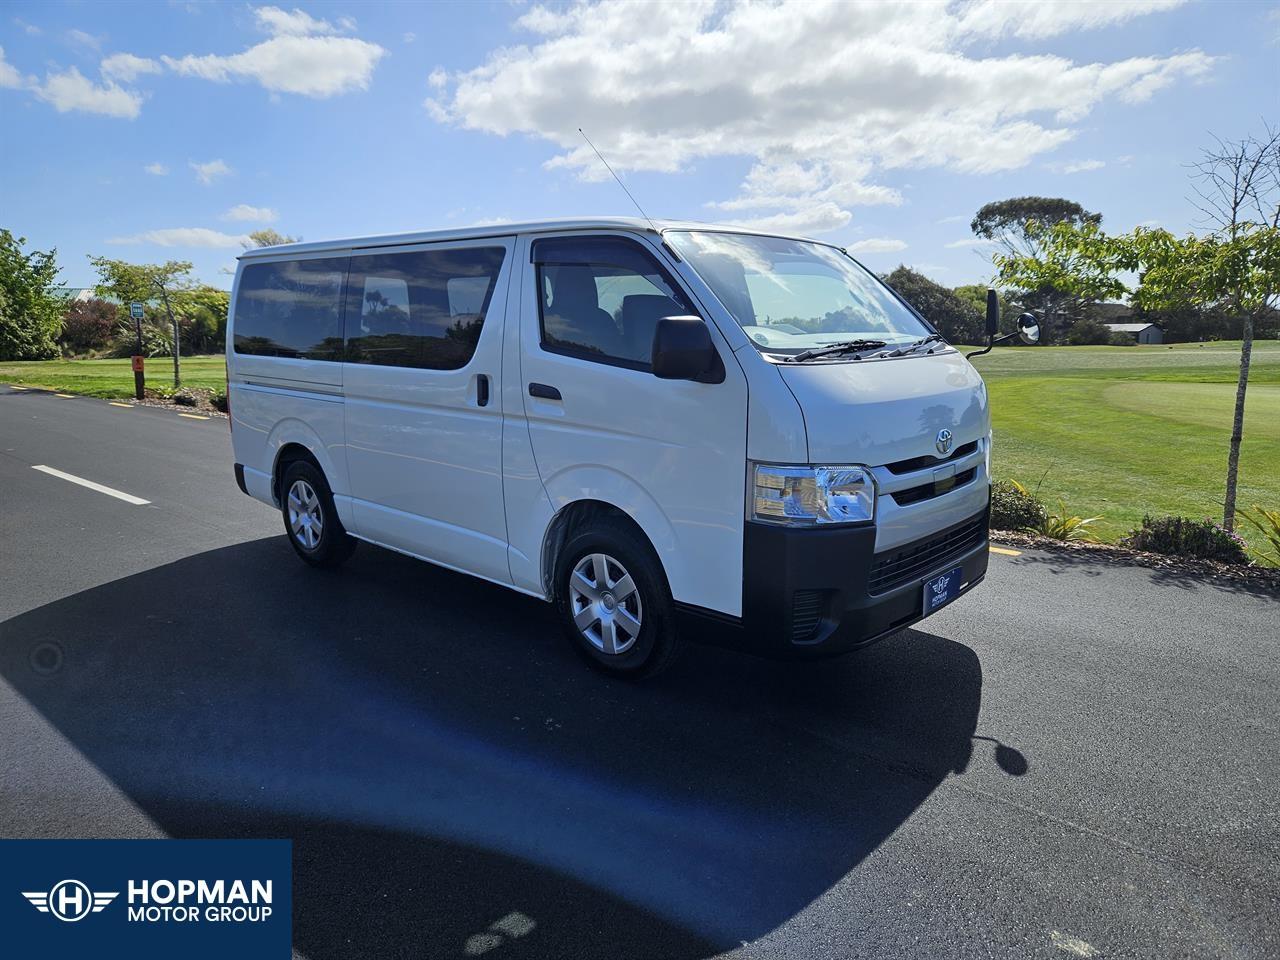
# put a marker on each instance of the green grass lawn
(1115, 431)
(1123, 431)
(114, 378)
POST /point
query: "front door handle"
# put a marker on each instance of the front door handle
(544, 392)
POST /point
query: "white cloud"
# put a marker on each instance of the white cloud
(972, 243)
(409, 36)
(184, 237)
(80, 38)
(125, 67)
(9, 75)
(821, 96)
(954, 218)
(157, 169)
(249, 214)
(70, 90)
(1036, 19)
(877, 245)
(208, 172)
(819, 218)
(30, 29)
(313, 66)
(1077, 166)
(290, 23)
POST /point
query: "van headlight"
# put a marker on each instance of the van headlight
(812, 495)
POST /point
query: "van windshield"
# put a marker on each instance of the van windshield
(791, 296)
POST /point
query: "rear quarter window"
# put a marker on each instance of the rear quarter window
(291, 308)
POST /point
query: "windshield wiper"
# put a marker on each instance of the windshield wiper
(911, 347)
(831, 349)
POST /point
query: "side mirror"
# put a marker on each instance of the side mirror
(1029, 328)
(683, 350)
(993, 313)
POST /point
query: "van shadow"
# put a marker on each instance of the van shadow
(457, 783)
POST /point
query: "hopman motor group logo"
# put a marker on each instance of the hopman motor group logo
(70, 900)
(162, 901)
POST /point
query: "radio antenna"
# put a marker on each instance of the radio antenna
(620, 183)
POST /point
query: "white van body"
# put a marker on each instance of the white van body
(460, 414)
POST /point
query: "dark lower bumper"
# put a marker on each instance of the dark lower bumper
(806, 594)
(240, 478)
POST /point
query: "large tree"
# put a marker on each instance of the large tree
(1233, 267)
(144, 283)
(266, 237)
(956, 318)
(1015, 226)
(30, 307)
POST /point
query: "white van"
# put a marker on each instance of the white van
(671, 431)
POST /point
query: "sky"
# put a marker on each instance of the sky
(169, 130)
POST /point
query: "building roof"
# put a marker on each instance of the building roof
(1131, 327)
(505, 230)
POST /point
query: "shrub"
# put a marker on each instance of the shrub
(1088, 332)
(1064, 525)
(1121, 339)
(219, 400)
(1267, 523)
(157, 337)
(186, 397)
(1013, 507)
(87, 325)
(1184, 537)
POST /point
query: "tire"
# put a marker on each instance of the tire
(310, 520)
(627, 629)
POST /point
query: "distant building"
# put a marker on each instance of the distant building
(1142, 332)
(73, 293)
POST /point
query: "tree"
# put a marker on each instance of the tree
(203, 315)
(975, 294)
(956, 319)
(1234, 267)
(30, 309)
(87, 325)
(266, 237)
(1016, 227)
(1088, 332)
(143, 282)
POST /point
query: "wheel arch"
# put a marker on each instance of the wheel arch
(576, 515)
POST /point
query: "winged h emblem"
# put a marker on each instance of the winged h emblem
(70, 900)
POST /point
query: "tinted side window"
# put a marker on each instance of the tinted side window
(422, 309)
(601, 298)
(292, 308)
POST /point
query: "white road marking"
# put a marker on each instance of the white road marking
(119, 495)
(1073, 945)
(66, 396)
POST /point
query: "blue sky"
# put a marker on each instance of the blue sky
(168, 130)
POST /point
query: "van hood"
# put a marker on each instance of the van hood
(880, 411)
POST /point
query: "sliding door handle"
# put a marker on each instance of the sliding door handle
(544, 392)
(482, 390)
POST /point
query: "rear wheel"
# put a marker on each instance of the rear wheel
(614, 603)
(310, 519)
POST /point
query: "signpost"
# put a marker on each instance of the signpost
(139, 377)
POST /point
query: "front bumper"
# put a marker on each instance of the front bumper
(818, 592)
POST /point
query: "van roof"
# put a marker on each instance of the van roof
(503, 230)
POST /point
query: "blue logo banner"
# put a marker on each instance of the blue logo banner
(141, 899)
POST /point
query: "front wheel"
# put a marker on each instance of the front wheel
(310, 518)
(614, 603)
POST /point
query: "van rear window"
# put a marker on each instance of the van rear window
(291, 308)
(420, 309)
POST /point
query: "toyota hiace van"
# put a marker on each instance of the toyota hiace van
(673, 432)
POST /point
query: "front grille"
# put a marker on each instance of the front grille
(923, 463)
(806, 612)
(903, 564)
(927, 491)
